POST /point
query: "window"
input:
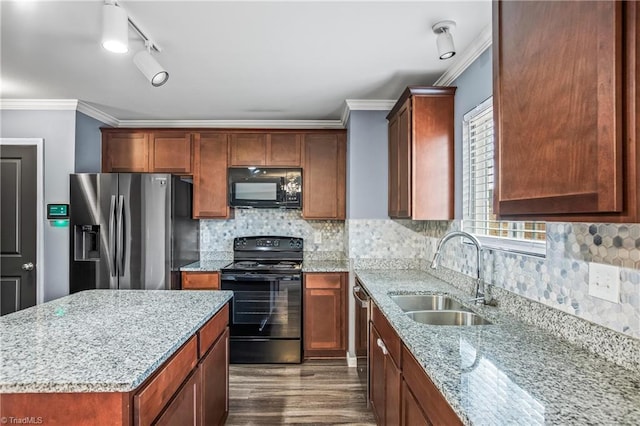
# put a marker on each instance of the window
(477, 168)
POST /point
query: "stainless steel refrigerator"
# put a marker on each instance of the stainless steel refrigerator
(130, 231)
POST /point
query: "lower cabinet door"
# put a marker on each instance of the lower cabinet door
(412, 414)
(393, 381)
(184, 408)
(214, 375)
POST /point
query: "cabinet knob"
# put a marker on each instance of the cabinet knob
(27, 266)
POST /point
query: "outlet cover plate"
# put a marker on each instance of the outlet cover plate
(317, 237)
(604, 282)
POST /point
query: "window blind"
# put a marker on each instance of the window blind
(478, 181)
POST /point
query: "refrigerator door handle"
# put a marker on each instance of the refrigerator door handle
(112, 237)
(121, 241)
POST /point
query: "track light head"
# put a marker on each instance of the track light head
(444, 40)
(151, 69)
(115, 28)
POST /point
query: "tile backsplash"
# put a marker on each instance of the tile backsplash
(321, 237)
(560, 281)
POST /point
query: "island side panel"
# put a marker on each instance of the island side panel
(67, 409)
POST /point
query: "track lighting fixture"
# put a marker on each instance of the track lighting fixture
(444, 40)
(115, 35)
(115, 28)
(150, 67)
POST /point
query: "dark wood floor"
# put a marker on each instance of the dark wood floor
(315, 392)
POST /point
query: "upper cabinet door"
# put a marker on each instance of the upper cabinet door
(210, 176)
(558, 105)
(324, 176)
(170, 152)
(421, 154)
(125, 152)
(283, 150)
(248, 149)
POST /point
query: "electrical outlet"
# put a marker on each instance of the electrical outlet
(317, 237)
(604, 282)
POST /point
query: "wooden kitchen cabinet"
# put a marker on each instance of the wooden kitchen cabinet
(421, 139)
(210, 176)
(566, 109)
(284, 149)
(265, 149)
(324, 175)
(170, 152)
(248, 149)
(325, 314)
(421, 399)
(214, 374)
(125, 151)
(183, 409)
(385, 374)
(197, 280)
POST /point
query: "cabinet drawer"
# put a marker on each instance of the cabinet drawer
(426, 394)
(153, 397)
(387, 333)
(200, 281)
(210, 332)
(323, 280)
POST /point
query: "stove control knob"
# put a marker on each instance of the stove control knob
(298, 243)
(290, 243)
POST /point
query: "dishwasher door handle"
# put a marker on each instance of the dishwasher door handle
(363, 303)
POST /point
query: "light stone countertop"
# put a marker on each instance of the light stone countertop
(508, 372)
(325, 266)
(206, 266)
(307, 266)
(99, 340)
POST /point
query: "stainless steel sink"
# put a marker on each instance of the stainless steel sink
(447, 318)
(427, 302)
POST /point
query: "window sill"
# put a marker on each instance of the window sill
(512, 245)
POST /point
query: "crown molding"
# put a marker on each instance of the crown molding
(39, 104)
(236, 124)
(365, 105)
(97, 114)
(466, 58)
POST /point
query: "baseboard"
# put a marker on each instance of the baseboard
(351, 361)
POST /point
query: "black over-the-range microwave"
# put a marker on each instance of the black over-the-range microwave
(265, 187)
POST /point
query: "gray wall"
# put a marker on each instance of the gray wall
(475, 85)
(88, 144)
(367, 164)
(57, 128)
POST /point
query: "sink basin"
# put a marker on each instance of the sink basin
(447, 318)
(427, 302)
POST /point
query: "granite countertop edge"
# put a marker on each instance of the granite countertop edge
(421, 340)
(98, 386)
(307, 266)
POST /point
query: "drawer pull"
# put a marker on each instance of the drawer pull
(382, 346)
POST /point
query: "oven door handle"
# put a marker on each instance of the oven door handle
(259, 277)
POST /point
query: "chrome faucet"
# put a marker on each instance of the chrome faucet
(480, 296)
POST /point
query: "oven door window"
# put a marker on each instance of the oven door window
(265, 308)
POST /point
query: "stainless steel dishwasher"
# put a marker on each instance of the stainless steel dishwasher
(362, 312)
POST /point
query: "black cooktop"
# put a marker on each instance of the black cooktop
(266, 254)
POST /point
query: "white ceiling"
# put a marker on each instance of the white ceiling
(233, 60)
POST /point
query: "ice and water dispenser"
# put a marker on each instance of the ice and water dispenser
(87, 242)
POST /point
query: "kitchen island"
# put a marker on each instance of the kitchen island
(117, 357)
(508, 372)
